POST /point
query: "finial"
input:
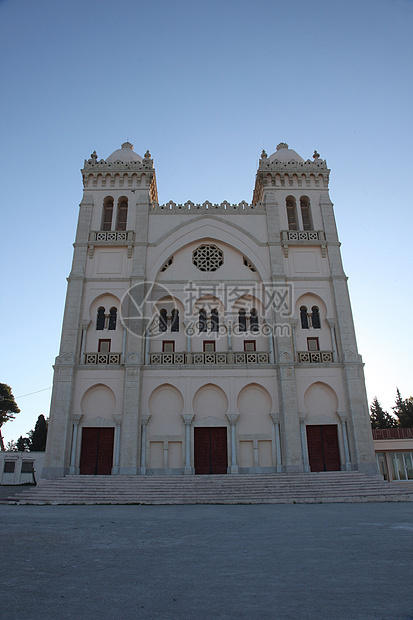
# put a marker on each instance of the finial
(127, 145)
(316, 155)
(264, 154)
(282, 145)
(147, 155)
(94, 156)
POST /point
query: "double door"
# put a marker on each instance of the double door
(323, 450)
(210, 450)
(96, 455)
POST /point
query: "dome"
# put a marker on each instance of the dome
(126, 154)
(284, 154)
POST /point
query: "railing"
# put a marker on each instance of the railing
(112, 235)
(305, 235)
(315, 357)
(103, 358)
(209, 358)
(392, 433)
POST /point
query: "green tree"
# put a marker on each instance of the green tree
(404, 410)
(38, 436)
(22, 444)
(8, 408)
(380, 418)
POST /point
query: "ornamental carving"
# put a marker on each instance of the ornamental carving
(208, 258)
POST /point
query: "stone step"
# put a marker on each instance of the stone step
(319, 487)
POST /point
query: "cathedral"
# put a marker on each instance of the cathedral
(207, 338)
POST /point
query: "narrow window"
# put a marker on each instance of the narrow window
(113, 313)
(104, 346)
(249, 345)
(163, 320)
(209, 346)
(214, 320)
(312, 344)
(168, 346)
(253, 320)
(100, 319)
(175, 320)
(306, 213)
(122, 215)
(202, 324)
(242, 320)
(304, 317)
(291, 213)
(107, 214)
(315, 317)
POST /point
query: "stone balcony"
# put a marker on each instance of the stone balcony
(315, 357)
(303, 237)
(108, 359)
(213, 358)
(111, 237)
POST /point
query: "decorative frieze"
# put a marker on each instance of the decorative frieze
(207, 207)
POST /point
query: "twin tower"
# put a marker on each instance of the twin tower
(207, 338)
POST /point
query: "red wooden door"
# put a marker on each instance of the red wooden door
(96, 455)
(323, 450)
(210, 450)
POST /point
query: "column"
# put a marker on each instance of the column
(124, 346)
(343, 420)
(332, 327)
(76, 421)
(233, 419)
(306, 466)
(293, 323)
(85, 327)
(143, 445)
(147, 346)
(187, 418)
(229, 335)
(277, 442)
(189, 331)
(118, 419)
(267, 329)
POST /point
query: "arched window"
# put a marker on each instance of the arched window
(122, 215)
(214, 320)
(175, 320)
(107, 214)
(202, 324)
(315, 317)
(304, 317)
(163, 320)
(306, 213)
(254, 320)
(291, 213)
(242, 320)
(113, 314)
(100, 319)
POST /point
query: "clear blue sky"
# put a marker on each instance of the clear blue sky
(205, 85)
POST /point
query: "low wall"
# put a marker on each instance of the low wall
(16, 467)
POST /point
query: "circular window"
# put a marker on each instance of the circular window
(208, 258)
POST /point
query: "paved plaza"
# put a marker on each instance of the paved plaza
(266, 561)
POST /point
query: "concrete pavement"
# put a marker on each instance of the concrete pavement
(267, 561)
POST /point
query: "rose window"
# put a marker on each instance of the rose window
(208, 258)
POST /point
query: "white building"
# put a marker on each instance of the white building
(211, 338)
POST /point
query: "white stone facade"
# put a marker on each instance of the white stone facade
(207, 338)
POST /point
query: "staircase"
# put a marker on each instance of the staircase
(309, 488)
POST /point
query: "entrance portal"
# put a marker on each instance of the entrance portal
(210, 450)
(323, 451)
(96, 455)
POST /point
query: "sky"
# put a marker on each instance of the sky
(205, 85)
